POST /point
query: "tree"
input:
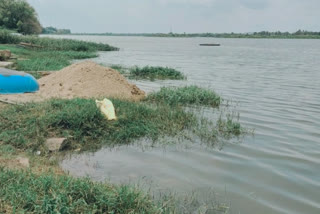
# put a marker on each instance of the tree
(19, 15)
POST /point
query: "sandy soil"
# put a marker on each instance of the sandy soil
(86, 80)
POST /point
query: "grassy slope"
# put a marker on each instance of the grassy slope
(50, 54)
(44, 60)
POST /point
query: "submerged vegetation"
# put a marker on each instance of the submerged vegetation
(152, 73)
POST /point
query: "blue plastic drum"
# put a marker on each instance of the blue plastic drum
(15, 82)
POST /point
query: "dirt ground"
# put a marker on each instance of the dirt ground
(85, 80)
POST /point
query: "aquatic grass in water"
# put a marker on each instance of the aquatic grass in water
(120, 68)
(189, 95)
(153, 73)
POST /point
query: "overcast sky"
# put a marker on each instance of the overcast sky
(151, 16)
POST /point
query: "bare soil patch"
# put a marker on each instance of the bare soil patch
(84, 80)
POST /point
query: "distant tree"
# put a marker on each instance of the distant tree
(52, 30)
(19, 15)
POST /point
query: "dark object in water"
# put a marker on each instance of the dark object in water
(210, 44)
(15, 82)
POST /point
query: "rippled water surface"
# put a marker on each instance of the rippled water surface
(277, 85)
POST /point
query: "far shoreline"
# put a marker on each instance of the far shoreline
(256, 35)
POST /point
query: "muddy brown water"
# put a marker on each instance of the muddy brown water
(277, 86)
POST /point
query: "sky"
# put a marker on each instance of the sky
(190, 16)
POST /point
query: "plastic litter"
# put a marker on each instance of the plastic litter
(107, 109)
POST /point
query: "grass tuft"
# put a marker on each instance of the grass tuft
(189, 95)
(25, 192)
(153, 73)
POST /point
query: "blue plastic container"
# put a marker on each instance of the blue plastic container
(15, 82)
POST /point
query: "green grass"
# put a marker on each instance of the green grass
(25, 192)
(54, 44)
(188, 95)
(120, 68)
(153, 73)
(53, 54)
(43, 60)
(28, 126)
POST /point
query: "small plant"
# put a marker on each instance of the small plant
(189, 95)
(153, 73)
(228, 127)
(120, 68)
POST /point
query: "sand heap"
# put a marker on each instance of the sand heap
(85, 79)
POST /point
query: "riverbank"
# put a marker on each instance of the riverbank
(26, 162)
(256, 35)
(33, 54)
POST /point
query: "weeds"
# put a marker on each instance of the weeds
(120, 68)
(48, 193)
(153, 73)
(189, 95)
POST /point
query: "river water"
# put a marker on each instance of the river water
(276, 84)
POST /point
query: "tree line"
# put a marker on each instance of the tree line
(20, 16)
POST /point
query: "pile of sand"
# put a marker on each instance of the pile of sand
(86, 80)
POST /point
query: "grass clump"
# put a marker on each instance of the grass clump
(28, 126)
(152, 73)
(120, 68)
(229, 127)
(54, 44)
(188, 95)
(25, 192)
